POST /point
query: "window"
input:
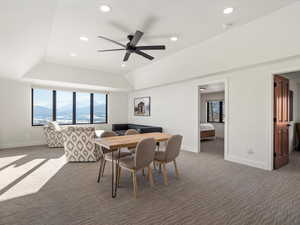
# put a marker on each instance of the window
(42, 107)
(215, 112)
(64, 107)
(83, 108)
(67, 107)
(100, 108)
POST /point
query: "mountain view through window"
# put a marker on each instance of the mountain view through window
(51, 105)
(42, 109)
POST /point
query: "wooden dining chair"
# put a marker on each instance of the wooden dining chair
(107, 155)
(169, 155)
(143, 158)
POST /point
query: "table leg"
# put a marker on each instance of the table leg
(113, 194)
(117, 170)
(115, 174)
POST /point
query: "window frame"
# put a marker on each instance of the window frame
(221, 118)
(106, 110)
(54, 109)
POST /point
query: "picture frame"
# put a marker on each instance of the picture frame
(142, 106)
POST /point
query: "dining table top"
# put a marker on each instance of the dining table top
(129, 140)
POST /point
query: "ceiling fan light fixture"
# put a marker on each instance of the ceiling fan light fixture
(228, 10)
(84, 39)
(133, 47)
(174, 38)
(105, 8)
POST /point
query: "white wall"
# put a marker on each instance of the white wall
(204, 98)
(249, 115)
(15, 114)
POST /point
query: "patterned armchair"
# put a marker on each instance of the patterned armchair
(79, 144)
(54, 135)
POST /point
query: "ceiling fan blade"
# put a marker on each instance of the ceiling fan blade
(112, 50)
(144, 54)
(136, 38)
(151, 47)
(126, 57)
(118, 43)
(121, 27)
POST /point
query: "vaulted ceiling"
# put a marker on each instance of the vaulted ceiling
(49, 30)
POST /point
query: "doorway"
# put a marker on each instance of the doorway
(286, 118)
(212, 118)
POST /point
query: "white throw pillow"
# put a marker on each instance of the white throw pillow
(55, 125)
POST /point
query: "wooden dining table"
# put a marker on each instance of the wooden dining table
(115, 143)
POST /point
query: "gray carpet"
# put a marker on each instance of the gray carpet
(210, 191)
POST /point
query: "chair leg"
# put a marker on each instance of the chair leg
(165, 174)
(100, 170)
(150, 175)
(154, 165)
(143, 171)
(176, 169)
(134, 183)
(104, 163)
(159, 167)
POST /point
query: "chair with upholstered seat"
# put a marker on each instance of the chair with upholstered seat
(54, 135)
(143, 158)
(131, 132)
(79, 144)
(108, 156)
(169, 155)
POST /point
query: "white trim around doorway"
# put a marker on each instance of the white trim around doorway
(226, 89)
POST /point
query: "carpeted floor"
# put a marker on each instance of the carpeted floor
(213, 147)
(36, 188)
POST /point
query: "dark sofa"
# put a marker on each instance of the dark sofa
(120, 129)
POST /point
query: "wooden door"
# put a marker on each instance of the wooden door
(281, 121)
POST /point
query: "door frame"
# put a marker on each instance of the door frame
(271, 114)
(226, 99)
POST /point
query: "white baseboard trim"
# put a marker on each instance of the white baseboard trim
(22, 144)
(247, 162)
(188, 148)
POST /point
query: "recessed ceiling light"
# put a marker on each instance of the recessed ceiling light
(105, 8)
(73, 54)
(123, 64)
(202, 89)
(174, 38)
(228, 10)
(84, 39)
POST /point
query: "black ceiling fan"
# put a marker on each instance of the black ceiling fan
(131, 46)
